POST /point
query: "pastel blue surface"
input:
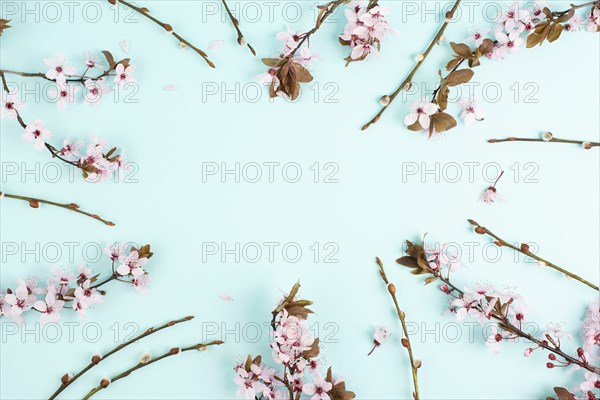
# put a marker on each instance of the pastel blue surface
(220, 116)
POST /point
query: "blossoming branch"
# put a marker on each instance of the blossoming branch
(507, 310)
(536, 25)
(415, 364)
(68, 379)
(366, 27)
(97, 163)
(78, 291)
(386, 100)
(548, 137)
(236, 25)
(146, 361)
(35, 203)
(524, 249)
(296, 350)
(183, 43)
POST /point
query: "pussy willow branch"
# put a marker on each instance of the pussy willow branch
(166, 27)
(35, 203)
(140, 365)
(392, 290)
(552, 140)
(329, 10)
(55, 152)
(501, 242)
(236, 24)
(410, 76)
(96, 361)
(505, 324)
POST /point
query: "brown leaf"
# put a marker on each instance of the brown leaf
(462, 50)
(431, 279)
(459, 77)
(442, 121)
(566, 16)
(408, 261)
(302, 74)
(453, 63)
(563, 394)
(555, 32)
(109, 58)
(271, 62)
(534, 39)
(300, 312)
(486, 46)
(416, 127)
(313, 351)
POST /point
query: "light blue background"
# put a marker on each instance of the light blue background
(369, 212)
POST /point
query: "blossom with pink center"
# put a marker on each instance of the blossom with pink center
(379, 337)
(471, 112)
(592, 382)
(466, 306)
(318, 389)
(10, 105)
(494, 339)
(269, 77)
(290, 39)
(50, 308)
(92, 60)
(248, 387)
(131, 264)
(512, 45)
(58, 70)
(490, 195)
(421, 112)
(85, 297)
(63, 94)
(37, 134)
(19, 301)
(84, 273)
(363, 50)
(518, 313)
(71, 148)
(115, 251)
(478, 35)
(556, 330)
(124, 75)
(140, 284)
(95, 90)
(60, 279)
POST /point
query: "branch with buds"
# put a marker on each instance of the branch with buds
(414, 363)
(146, 362)
(35, 203)
(167, 27)
(236, 25)
(386, 100)
(486, 303)
(547, 137)
(524, 249)
(69, 379)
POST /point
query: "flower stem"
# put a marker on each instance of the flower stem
(91, 365)
(525, 250)
(70, 78)
(236, 24)
(35, 203)
(140, 365)
(410, 76)
(552, 140)
(167, 27)
(392, 291)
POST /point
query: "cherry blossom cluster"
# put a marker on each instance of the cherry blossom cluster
(79, 290)
(296, 350)
(366, 27)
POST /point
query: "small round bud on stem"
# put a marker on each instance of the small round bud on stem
(242, 41)
(547, 136)
(417, 364)
(146, 357)
(549, 365)
(392, 288)
(104, 383)
(449, 16)
(175, 350)
(96, 358)
(441, 40)
(384, 100)
(586, 145)
(580, 352)
(480, 230)
(551, 357)
(419, 57)
(525, 247)
(66, 378)
(405, 343)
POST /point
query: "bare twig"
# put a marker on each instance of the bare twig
(236, 24)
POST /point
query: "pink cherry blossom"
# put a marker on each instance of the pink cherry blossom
(141, 283)
(490, 195)
(421, 112)
(11, 105)
(131, 265)
(124, 75)
(318, 389)
(50, 308)
(92, 60)
(58, 70)
(379, 337)
(471, 112)
(85, 297)
(248, 387)
(70, 149)
(592, 382)
(95, 90)
(20, 300)
(64, 94)
(478, 35)
(37, 134)
(494, 339)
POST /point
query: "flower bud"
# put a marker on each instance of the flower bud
(480, 230)
(586, 145)
(66, 378)
(146, 357)
(182, 45)
(525, 247)
(547, 136)
(419, 57)
(384, 100)
(175, 350)
(96, 358)
(242, 41)
(441, 40)
(417, 364)
(104, 383)
(580, 352)
(405, 343)
(551, 357)
(528, 352)
(549, 365)
(444, 288)
(392, 288)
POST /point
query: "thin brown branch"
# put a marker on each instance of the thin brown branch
(524, 249)
(174, 351)
(35, 203)
(588, 145)
(406, 339)
(407, 82)
(144, 12)
(236, 24)
(70, 78)
(96, 360)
